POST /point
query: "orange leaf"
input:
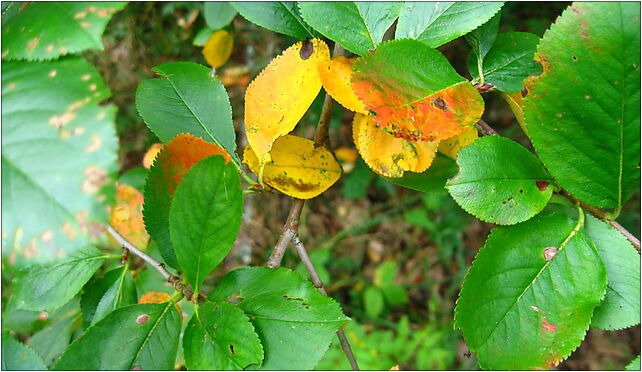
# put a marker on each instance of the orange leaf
(154, 297)
(181, 153)
(279, 96)
(451, 146)
(335, 76)
(388, 155)
(297, 167)
(127, 215)
(218, 48)
(150, 155)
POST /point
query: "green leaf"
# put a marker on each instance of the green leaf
(18, 357)
(386, 273)
(52, 341)
(121, 293)
(47, 30)
(186, 99)
(634, 365)
(58, 157)
(357, 26)
(431, 180)
(293, 320)
(279, 16)
(218, 14)
(220, 337)
(509, 62)
(438, 22)
(527, 300)
(205, 217)
(483, 37)
(373, 301)
(202, 36)
(49, 287)
(583, 112)
(500, 181)
(621, 305)
(144, 336)
(394, 294)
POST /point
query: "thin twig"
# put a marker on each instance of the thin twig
(486, 129)
(321, 135)
(316, 280)
(290, 229)
(174, 280)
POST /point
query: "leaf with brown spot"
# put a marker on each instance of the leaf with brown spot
(451, 146)
(279, 96)
(336, 75)
(170, 166)
(297, 167)
(218, 48)
(388, 155)
(127, 216)
(414, 92)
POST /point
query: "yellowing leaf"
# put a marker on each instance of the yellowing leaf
(127, 215)
(218, 48)
(297, 167)
(181, 153)
(388, 155)
(279, 96)
(154, 297)
(335, 76)
(451, 146)
(346, 154)
(150, 155)
(514, 100)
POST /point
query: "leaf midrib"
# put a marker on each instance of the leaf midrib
(150, 333)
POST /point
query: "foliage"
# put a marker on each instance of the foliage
(534, 289)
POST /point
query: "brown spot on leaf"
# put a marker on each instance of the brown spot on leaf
(137, 368)
(46, 236)
(440, 103)
(306, 50)
(85, 24)
(43, 316)
(50, 48)
(549, 253)
(80, 15)
(142, 319)
(548, 327)
(85, 77)
(68, 230)
(93, 87)
(95, 178)
(57, 121)
(524, 92)
(541, 185)
(5, 53)
(33, 43)
(231, 350)
(53, 73)
(95, 144)
(11, 85)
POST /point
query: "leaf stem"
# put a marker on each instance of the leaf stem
(174, 280)
(480, 69)
(316, 280)
(485, 129)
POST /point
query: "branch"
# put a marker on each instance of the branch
(303, 255)
(174, 280)
(486, 129)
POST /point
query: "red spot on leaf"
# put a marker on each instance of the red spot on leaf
(548, 327)
(541, 185)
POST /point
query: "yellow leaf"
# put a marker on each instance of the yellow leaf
(279, 96)
(451, 146)
(514, 100)
(346, 154)
(218, 48)
(154, 297)
(127, 215)
(388, 155)
(150, 155)
(297, 167)
(335, 76)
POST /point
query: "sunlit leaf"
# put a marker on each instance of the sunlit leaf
(634, 365)
(357, 25)
(438, 22)
(298, 168)
(583, 112)
(388, 155)
(451, 146)
(394, 85)
(205, 217)
(527, 300)
(220, 337)
(336, 77)
(127, 216)
(47, 30)
(171, 165)
(218, 48)
(279, 96)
